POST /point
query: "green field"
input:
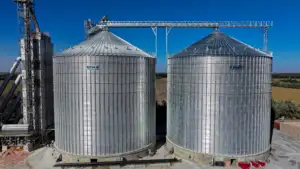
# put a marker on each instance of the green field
(8, 87)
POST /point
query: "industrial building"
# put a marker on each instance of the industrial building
(42, 80)
(26, 125)
(99, 96)
(104, 95)
(219, 100)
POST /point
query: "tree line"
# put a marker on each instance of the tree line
(287, 83)
(286, 109)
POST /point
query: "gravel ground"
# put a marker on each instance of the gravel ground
(285, 155)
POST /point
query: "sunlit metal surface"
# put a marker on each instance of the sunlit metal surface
(41, 115)
(219, 98)
(104, 92)
(43, 95)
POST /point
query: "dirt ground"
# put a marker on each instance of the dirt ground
(280, 93)
(161, 90)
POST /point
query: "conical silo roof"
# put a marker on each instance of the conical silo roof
(104, 43)
(219, 44)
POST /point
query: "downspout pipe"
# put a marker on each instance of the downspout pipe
(10, 75)
(6, 116)
(33, 17)
(11, 92)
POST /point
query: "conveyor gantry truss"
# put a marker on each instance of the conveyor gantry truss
(168, 25)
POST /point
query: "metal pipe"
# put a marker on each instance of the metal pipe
(10, 93)
(168, 29)
(154, 29)
(15, 65)
(167, 42)
(121, 163)
(37, 27)
(10, 75)
(5, 117)
(265, 40)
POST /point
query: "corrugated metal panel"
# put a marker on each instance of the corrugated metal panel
(47, 82)
(104, 43)
(43, 93)
(219, 44)
(220, 105)
(104, 105)
(42, 52)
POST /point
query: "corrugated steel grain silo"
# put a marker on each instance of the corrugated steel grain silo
(104, 98)
(219, 99)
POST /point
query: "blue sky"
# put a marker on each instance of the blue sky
(63, 19)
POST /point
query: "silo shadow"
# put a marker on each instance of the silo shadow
(273, 114)
(161, 123)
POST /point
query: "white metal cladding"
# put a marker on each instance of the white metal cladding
(43, 50)
(220, 105)
(104, 105)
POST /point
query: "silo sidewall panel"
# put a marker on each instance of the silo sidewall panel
(219, 105)
(100, 100)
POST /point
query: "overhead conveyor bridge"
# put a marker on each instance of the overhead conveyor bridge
(168, 25)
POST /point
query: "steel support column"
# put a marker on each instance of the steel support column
(154, 29)
(168, 29)
(265, 39)
(28, 64)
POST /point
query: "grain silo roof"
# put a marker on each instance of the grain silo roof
(219, 44)
(104, 43)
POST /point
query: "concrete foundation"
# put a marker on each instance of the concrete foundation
(285, 152)
(68, 157)
(207, 159)
(183, 153)
(291, 128)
